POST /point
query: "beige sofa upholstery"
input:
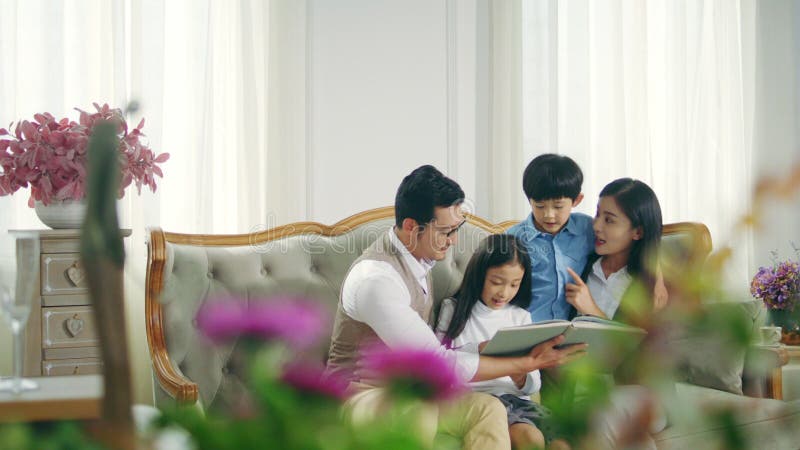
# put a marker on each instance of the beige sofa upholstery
(311, 259)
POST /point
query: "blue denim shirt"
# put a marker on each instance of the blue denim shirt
(550, 257)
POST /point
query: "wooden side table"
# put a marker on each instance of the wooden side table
(60, 336)
(763, 371)
(58, 398)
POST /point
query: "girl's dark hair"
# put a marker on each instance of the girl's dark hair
(494, 251)
(640, 204)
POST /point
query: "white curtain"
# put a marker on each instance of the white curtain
(659, 90)
(221, 87)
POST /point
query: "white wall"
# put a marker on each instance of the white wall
(776, 134)
(391, 86)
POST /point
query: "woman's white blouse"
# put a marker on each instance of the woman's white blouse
(607, 292)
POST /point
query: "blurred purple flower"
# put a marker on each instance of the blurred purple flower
(412, 371)
(298, 322)
(778, 286)
(308, 377)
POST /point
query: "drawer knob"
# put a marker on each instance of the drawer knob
(74, 325)
(76, 274)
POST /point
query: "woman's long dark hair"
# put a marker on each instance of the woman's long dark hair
(640, 204)
(495, 251)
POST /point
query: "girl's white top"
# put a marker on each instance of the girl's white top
(607, 292)
(481, 326)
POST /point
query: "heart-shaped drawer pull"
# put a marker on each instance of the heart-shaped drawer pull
(76, 274)
(74, 325)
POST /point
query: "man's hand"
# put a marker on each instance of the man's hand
(545, 355)
(578, 295)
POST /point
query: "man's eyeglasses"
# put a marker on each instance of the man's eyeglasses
(449, 234)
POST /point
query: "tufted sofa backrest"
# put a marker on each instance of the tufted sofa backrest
(306, 259)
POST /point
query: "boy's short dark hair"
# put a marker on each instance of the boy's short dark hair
(423, 190)
(550, 176)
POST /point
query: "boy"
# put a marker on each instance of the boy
(556, 237)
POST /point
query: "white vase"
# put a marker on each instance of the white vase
(61, 214)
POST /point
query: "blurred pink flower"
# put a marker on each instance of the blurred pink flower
(49, 156)
(298, 322)
(308, 377)
(412, 372)
(222, 320)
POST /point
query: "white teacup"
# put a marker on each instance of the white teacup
(770, 335)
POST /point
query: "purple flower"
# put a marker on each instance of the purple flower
(778, 286)
(300, 323)
(307, 377)
(411, 371)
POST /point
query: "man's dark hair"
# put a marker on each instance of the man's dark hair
(550, 176)
(423, 190)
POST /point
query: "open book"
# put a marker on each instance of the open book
(609, 342)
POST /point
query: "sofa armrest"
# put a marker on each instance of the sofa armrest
(762, 371)
(175, 384)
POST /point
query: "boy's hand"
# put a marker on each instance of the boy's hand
(578, 295)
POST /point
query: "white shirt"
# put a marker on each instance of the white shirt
(607, 292)
(375, 294)
(481, 326)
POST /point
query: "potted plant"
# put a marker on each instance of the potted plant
(49, 156)
(778, 286)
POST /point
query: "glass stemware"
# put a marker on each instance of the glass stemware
(19, 274)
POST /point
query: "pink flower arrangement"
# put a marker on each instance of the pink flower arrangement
(49, 156)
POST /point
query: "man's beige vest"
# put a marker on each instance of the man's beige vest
(349, 334)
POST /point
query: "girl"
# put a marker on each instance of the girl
(495, 293)
(627, 230)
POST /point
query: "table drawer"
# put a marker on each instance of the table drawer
(72, 367)
(68, 327)
(63, 274)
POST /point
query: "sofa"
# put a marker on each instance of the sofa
(312, 259)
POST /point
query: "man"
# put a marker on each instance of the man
(386, 297)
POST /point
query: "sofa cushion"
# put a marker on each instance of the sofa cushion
(710, 349)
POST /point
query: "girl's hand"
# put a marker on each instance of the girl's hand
(578, 295)
(519, 379)
(545, 355)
